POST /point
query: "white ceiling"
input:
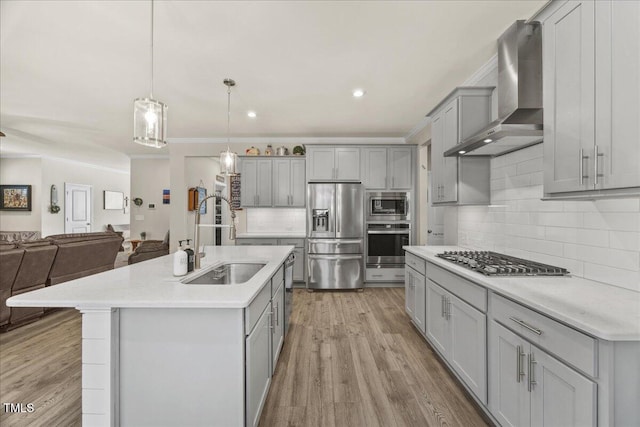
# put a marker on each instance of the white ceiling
(69, 70)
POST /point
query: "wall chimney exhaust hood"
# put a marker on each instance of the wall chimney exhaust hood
(519, 96)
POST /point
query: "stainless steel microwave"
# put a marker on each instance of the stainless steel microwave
(388, 206)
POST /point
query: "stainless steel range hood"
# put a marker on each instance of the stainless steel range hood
(519, 96)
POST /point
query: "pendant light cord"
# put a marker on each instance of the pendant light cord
(228, 116)
(151, 49)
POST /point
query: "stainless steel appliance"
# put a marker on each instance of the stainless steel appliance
(387, 206)
(288, 290)
(519, 121)
(384, 244)
(335, 236)
(496, 264)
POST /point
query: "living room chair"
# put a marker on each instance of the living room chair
(149, 249)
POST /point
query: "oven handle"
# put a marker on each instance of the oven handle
(407, 232)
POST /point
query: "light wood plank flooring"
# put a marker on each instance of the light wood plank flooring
(354, 359)
(350, 359)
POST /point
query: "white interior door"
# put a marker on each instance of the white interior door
(77, 208)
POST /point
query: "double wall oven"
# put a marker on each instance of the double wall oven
(388, 229)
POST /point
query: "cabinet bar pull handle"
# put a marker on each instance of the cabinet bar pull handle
(277, 316)
(442, 305)
(519, 367)
(526, 325)
(376, 275)
(531, 373)
(270, 320)
(582, 159)
(596, 160)
(448, 308)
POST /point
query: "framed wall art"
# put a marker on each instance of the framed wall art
(15, 197)
(113, 200)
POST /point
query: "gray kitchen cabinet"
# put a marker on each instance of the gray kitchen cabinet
(258, 367)
(333, 163)
(277, 324)
(256, 182)
(459, 180)
(387, 168)
(591, 51)
(456, 329)
(289, 182)
(529, 387)
(415, 298)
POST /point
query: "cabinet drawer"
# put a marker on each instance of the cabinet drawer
(298, 243)
(253, 312)
(415, 262)
(384, 275)
(466, 290)
(256, 242)
(566, 343)
(277, 280)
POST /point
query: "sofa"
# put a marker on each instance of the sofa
(149, 249)
(33, 264)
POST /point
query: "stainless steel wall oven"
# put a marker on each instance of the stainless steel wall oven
(384, 244)
(387, 206)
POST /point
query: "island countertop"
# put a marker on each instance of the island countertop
(151, 284)
(604, 311)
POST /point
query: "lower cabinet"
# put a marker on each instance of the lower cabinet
(527, 386)
(277, 325)
(299, 263)
(458, 331)
(258, 367)
(415, 298)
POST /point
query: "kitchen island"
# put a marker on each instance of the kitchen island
(156, 351)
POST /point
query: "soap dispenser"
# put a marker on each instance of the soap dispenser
(180, 260)
(190, 257)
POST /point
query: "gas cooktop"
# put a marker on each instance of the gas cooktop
(495, 264)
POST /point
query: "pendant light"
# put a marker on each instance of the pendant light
(228, 159)
(150, 115)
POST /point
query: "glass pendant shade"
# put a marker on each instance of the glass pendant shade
(228, 162)
(149, 122)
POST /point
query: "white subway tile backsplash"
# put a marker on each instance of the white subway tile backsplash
(626, 240)
(620, 221)
(580, 236)
(599, 240)
(617, 258)
(276, 220)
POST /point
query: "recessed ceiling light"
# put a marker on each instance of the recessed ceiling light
(461, 152)
(488, 140)
(251, 114)
(358, 93)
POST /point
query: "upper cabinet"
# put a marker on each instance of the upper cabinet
(387, 168)
(289, 182)
(272, 182)
(463, 180)
(255, 184)
(333, 163)
(591, 70)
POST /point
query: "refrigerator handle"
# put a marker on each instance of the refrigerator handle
(338, 213)
(335, 257)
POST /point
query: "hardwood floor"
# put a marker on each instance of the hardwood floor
(354, 359)
(350, 359)
(40, 363)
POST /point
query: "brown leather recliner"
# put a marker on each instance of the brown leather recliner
(10, 259)
(82, 254)
(149, 249)
(32, 274)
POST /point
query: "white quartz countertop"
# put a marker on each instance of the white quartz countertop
(152, 284)
(601, 310)
(274, 235)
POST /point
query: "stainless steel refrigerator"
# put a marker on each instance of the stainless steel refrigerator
(335, 232)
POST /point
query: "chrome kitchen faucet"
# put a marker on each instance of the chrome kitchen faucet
(196, 232)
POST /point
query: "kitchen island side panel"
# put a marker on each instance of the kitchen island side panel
(181, 367)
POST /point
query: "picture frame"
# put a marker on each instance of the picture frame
(15, 198)
(113, 200)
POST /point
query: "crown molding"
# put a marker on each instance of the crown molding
(292, 140)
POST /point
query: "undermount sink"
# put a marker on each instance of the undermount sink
(231, 273)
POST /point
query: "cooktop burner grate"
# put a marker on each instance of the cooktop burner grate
(496, 264)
